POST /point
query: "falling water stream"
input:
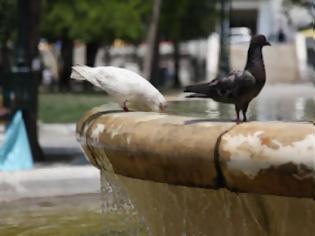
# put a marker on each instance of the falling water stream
(176, 210)
(115, 201)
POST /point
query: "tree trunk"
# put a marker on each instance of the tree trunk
(107, 57)
(67, 61)
(5, 64)
(176, 55)
(91, 51)
(149, 63)
(90, 56)
(155, 68)
(34, 31)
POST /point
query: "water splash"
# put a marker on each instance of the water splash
(116, 204)
(177, 210)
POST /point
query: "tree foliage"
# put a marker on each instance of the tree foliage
(7, 20)
(186, 19)
(183, 20)
(104, 20)
(94, 20)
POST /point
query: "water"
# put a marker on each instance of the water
(287, 102)
(184, 211)
(78, 215)
(116, 201)
(282, 102)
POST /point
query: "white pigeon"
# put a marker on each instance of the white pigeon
(128, 88)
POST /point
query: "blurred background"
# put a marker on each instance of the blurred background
(171, 43)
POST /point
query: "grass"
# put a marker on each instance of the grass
(68, 107)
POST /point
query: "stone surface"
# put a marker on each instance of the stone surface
(172, 149)
(269, 157)
(254, 157)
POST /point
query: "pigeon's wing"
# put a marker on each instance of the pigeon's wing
(116, 83)
(225, 89)
(233, 87)
(127, 87)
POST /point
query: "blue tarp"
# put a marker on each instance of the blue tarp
(15, 152)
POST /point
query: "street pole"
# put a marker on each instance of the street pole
(21, 86)
(224, 58)
(21, 43)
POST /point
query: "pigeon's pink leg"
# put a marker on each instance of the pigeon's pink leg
(125, 106)
(244, 110)
(244, 116)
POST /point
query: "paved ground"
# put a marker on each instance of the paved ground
(60, 145)
(67, 172)
(49, 181)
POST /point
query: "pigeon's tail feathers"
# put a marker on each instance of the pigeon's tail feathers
(83, 73)
(78, 73)
(200, 89)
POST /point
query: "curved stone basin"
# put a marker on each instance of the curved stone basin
(269, 158)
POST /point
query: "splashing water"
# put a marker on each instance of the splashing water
(115, 201)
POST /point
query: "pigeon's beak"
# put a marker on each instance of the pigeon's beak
(267, 44)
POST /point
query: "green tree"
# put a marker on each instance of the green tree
(19, 27)
(95, 22)
(57, 24)
(183, 20)
(7, 32)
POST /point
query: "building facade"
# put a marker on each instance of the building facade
(261, 16)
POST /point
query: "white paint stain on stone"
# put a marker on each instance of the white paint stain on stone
(128, 139)
(249, 155)
(97, 131)
(115, 131)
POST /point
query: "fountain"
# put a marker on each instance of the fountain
(190, 176)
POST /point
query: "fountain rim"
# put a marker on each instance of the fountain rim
(219, 161)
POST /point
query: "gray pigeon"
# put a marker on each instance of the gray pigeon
(238, 87)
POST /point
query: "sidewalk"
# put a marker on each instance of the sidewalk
(59, 144)
(66, 171)
(58, 180)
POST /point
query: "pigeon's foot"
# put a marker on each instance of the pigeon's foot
(244, 116)
(125, 106)
(237, 115)
(237, 121)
